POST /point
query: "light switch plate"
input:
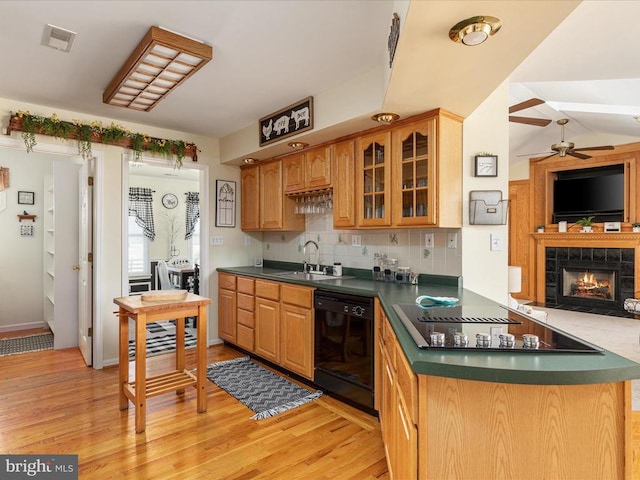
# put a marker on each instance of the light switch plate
(356, 240)
(452, 240)
(497, 244)
(428, 240)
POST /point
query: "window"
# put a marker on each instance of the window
(138, 248)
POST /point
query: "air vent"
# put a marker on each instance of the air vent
(491, 320)
(58, 38)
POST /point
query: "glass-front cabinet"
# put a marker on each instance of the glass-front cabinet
(374, 180)
(414, 163)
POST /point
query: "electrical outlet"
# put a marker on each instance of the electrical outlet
(428, 240)
(247, 240)
(356, 240)
(496, 242)
(452, 240)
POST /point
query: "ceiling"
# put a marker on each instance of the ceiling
(267, 55)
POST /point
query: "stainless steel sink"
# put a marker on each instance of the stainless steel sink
(306, 276)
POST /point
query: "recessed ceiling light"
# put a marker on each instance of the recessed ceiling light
(475, 30)
(250, 161)
(58, 38)
(298, 145)
(385, 117)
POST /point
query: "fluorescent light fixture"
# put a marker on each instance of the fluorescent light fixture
(595, 108)
(160, 62)
(58, 38)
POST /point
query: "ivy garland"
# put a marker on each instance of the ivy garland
(87, 133)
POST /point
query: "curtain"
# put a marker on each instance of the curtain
(141, 206)
(193, 213)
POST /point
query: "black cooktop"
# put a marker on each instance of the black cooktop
(485, 328)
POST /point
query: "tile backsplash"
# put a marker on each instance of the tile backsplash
(407, 245)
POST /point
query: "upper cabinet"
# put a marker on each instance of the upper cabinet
(373, 180)
(264, 205)
(344, 170)
(307, 171)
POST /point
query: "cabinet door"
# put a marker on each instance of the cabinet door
(318, 168)
(405, 456)
(271, 196)
(227, 315)
(374, 180)
(297, 340)
(293, 172)
(344, 199)
(267, 329)
(414, 181)
(250, 206)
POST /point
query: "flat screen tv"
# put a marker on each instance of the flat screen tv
(592, 191)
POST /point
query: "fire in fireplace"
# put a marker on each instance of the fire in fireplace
(589, 284)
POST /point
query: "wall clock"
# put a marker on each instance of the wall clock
(169, 200)
(486, 166)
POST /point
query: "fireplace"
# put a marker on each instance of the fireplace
(593, 280)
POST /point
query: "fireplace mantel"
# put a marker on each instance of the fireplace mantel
(583, 240)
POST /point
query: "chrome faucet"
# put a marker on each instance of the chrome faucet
(304, 250)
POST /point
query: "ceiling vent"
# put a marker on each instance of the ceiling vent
(58, 38)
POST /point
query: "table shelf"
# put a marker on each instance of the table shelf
(165, 383)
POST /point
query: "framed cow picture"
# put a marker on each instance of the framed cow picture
(291, 120)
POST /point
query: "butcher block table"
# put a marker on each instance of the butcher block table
(152, 307)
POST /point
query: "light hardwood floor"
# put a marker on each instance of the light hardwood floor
(53, 403)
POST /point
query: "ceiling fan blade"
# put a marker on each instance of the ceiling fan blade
(538, 122)
(602, 147)
(531, 155)
(581, 156)
(532, 102)
(544, 158)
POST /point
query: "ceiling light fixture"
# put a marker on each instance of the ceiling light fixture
(58, 38)
(160, 62)
(249, 161)
(385, 117)
(298, 145)
(475, 30)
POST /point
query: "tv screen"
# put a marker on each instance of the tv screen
(594, 191)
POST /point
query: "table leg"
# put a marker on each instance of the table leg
(123, 361)
(180, 353)
(141, 372)
(201, 373)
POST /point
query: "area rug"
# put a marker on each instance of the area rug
(30, 343)
(264, 392)
(159, 345)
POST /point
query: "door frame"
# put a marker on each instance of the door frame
(204, 217)
(98, 201)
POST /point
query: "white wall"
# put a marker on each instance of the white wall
(486, 130)
(21, 258)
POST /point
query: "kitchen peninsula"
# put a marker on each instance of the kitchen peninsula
(474, 414)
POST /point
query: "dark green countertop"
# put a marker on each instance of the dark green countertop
(504, 367)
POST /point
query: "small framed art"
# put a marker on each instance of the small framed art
(25, 198)
(486, 166)
(225, 203)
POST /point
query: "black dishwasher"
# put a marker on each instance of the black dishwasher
(343, 363)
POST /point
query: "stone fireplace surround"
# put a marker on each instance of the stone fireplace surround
(618, 250)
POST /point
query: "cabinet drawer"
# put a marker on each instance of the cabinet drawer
(245, 337)
(246, 285)
(388, 336)
(266, 289)
(244, 301)
(295, 295)
(245, 318)
(407, 383)
(226, 281)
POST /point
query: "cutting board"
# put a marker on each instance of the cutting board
(164, 295)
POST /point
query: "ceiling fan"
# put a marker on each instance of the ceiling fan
(566, 148)
(532, 102)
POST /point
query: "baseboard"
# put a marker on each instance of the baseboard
(22, 326)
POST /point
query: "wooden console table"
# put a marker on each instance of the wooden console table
(143, 312)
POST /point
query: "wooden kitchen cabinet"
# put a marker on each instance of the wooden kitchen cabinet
(373, 180)
(296, 329)
(307, 171)
(245, 307)
(267, 320)
(344, 198)
(250, 198)
(427, 172)
(227, 307)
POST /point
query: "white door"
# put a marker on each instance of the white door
(85, 273)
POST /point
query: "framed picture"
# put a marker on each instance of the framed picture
(25, 198)
(225, 203)
(287, 121)
(486, 166)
